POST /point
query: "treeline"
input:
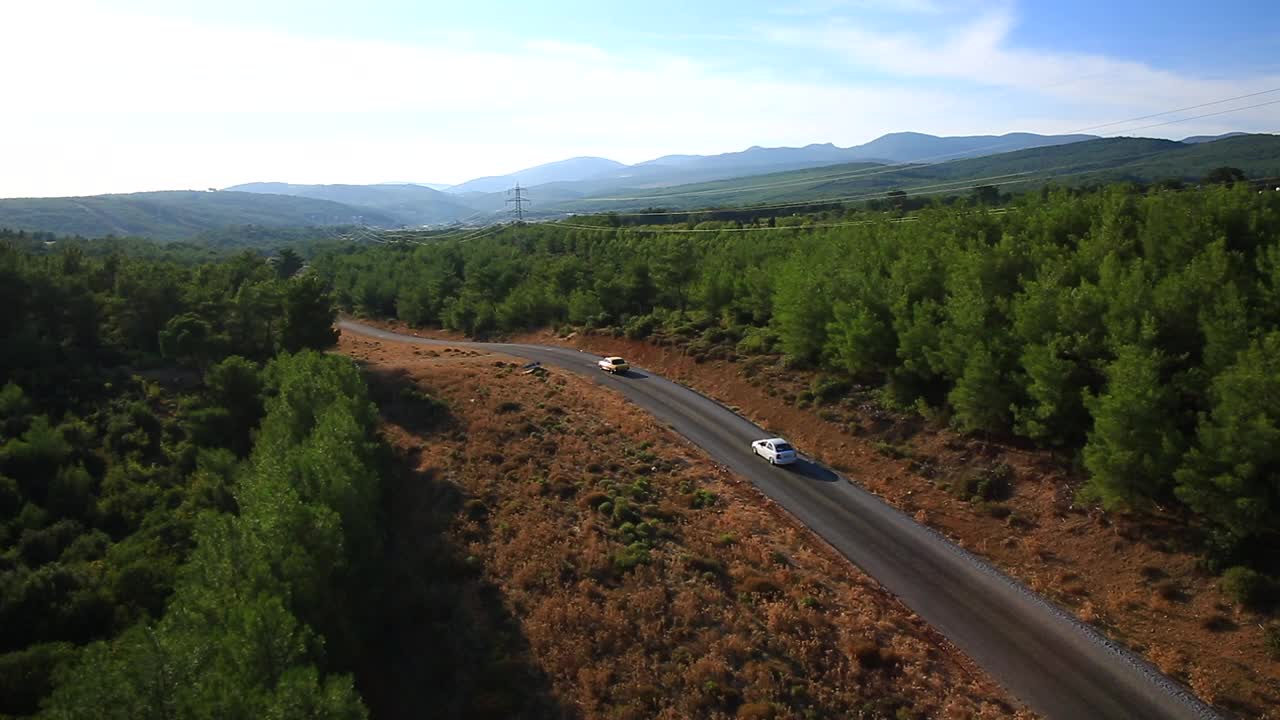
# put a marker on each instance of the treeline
(131, 394)
(1139, 327)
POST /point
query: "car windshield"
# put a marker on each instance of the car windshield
(781, 447)
(619, 361)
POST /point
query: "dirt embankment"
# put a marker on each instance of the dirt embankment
(646, 581)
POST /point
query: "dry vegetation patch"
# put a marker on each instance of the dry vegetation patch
(646, 581)
(1137, 579)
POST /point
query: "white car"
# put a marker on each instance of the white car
(776, 450)
(613, 364)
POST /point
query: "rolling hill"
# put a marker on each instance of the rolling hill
(1093, 161)
(405, 204)
(174, 215)
(573, 169)
(580, 177)
(918, 147)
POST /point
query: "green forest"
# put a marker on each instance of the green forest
(187, 489)
(1135, 329)
(198, 518)
(193, 498)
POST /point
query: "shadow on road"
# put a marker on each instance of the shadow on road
(813, 471)
(633, 375)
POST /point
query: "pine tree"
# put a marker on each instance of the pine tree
(1232, 475)
(1134, 446)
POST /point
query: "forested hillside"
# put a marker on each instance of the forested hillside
(411, 205)
(1136, 328)
(178, 214)
(187, 491)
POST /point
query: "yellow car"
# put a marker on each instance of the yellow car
(613, 364)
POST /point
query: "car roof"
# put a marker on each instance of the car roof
(775, 440)
(612, 357)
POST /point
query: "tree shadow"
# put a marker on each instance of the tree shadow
(439, 641)
(402, 402)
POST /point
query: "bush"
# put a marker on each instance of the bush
(897, 452)
(1248, 587)
(757, 341)
(715, 335)
(1271, 638)
(828, 389)
(992, 484)
(639, 328)
(636, 553)
(622, 512)
(702, 498)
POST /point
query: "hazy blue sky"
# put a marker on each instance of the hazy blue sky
(126, 95)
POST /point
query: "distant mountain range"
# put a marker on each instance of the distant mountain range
(433, 186)
(812, 173)
(589, 174)
(1093, 161)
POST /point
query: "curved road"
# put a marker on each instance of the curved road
(1058, 666)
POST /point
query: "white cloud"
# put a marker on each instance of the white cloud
(142, 102)
(116, 103)
(980, 53)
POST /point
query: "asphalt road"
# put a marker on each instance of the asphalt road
(1055, 664)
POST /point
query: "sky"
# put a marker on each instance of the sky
(102, 96)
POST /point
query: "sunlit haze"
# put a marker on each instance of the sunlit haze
(138, 95)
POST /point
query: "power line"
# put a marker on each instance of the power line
(1197, 117)
(1167, 112)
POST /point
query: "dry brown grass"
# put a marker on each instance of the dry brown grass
(637, 601)
(1121, 561)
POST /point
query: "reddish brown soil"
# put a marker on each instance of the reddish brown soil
(738, 611)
